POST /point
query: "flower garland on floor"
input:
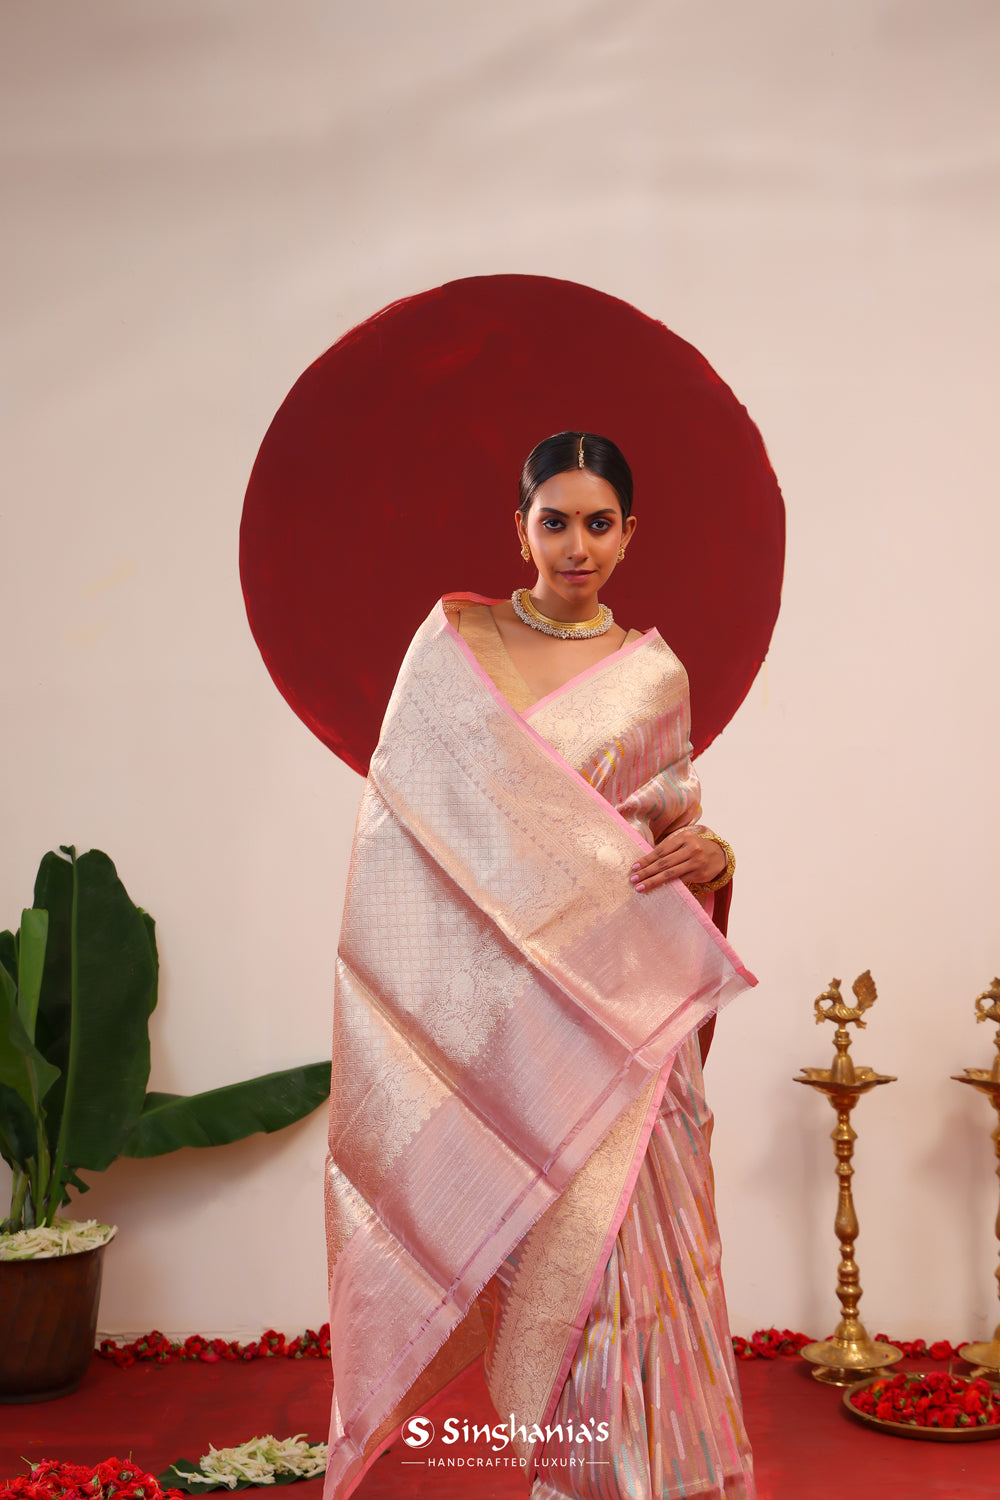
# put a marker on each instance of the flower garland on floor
(114, 1479)
(766, 1343)
(774, 1343)
(261, 1461)
(157, 1348)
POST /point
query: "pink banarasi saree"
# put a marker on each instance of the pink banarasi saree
(518, 1156)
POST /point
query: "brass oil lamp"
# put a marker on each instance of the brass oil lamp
(987, 1356)
(851, 1354)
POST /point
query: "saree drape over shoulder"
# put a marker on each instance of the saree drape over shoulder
(516, 1121)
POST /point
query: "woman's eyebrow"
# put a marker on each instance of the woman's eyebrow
(550, 510)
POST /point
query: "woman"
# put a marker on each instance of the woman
(518, 1143)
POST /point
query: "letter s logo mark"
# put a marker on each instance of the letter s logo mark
(417, 1432)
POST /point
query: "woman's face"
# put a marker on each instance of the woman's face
(574, 530)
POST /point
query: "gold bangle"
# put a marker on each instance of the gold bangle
(699, 889)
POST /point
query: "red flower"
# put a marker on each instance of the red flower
(941, 1350)
(62, 1481)
(114, 1479)
(113, 1471)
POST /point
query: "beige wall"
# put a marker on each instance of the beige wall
(200, 198)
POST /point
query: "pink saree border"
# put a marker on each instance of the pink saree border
(487, 682)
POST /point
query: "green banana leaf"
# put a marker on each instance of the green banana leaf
(22, 1067)
(31, 942)
(8, 954)
(178, 1477)
(18, 1141)
(54, 894)
(219, 1116)
(17, 1130)
(98, 990)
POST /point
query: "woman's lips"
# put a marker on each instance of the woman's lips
(579, 573)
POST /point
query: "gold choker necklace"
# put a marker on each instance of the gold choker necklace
(566, 630)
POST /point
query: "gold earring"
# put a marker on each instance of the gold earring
(525, 551)
(621, 554)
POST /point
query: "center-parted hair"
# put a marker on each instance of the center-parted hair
(554, 455)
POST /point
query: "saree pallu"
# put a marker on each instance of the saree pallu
(507, 1015)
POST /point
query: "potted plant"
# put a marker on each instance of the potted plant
(78, 984)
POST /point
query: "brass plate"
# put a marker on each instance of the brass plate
(922, 1434)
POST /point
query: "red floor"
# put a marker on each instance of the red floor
(806, 1448)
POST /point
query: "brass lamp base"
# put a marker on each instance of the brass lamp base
(986, 1357)
(846, 1361)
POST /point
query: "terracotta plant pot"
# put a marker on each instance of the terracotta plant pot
(48, 1319)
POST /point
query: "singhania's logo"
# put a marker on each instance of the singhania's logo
(417, 1432)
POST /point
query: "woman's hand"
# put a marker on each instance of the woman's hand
(682, 855)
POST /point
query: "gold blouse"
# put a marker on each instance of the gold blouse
(477, 626)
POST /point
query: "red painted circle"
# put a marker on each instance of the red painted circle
(389, 477)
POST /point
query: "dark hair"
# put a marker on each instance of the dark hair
(554, 455)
